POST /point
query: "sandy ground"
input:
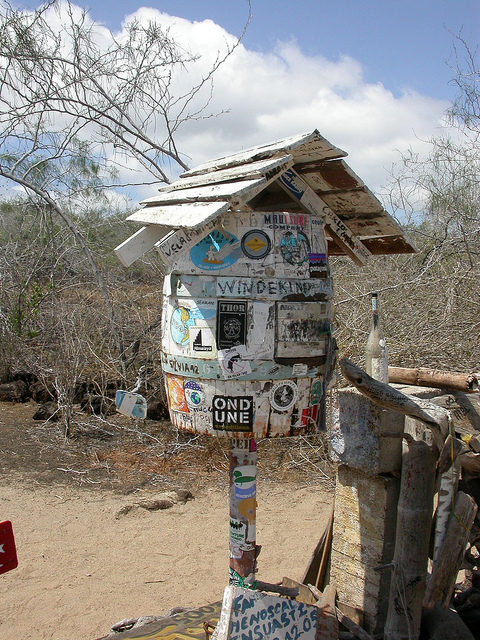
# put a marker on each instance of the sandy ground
(84, 566)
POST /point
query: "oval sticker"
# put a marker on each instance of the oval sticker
(216, 251)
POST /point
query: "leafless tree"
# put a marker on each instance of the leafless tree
(430, 301)
(82, 112)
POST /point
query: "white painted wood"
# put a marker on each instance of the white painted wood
(262, 168)
(234, 192)
(303, 147)
(246, 610)
(177, 244)
(193, 214)
(137, 245)
(295, 186)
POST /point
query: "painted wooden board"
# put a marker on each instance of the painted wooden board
(186, 625)
(211, 370)
(254, 614)
(267, 289)
(234, 192)
(173, 247)
(193, 214)
(263, 168)
(310, 146)
(139, 243)
(295, 186)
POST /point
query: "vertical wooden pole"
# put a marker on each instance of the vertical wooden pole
(243, 510)
(414, 519)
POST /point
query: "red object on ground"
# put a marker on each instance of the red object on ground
(8, 550)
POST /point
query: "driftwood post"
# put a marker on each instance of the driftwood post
(414, 519)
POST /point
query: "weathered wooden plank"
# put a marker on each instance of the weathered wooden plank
(139, 243)
(263, 168)
(410, 560)
(304, 147)
(446, 500)
(363, 539)
(387, 396)
(234, 192)
(356, 630)
(330, 175)
(194, 214)
(189, 623)
(445, 569)
(211, 370)
(295, 186)
(327, 623)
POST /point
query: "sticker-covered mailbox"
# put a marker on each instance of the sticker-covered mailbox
(247, 340)
(247, 345)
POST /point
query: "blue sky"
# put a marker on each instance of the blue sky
(372, 76)
(401, 43)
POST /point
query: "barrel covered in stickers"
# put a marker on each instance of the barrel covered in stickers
(247, 343)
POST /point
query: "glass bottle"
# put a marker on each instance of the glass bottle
(376, 351)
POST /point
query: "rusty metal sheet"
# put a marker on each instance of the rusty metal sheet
(193, 214)
(310, 146)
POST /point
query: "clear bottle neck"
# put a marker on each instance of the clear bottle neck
(376, 319)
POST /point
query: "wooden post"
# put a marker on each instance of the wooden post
(243, 509)
(414, 517)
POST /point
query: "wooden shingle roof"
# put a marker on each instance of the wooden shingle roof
(297, 174)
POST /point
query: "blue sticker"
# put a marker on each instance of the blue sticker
(216, 251)
(291, 181)
(183, 318)
(295, 247)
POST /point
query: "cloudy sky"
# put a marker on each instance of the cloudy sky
(372, 76)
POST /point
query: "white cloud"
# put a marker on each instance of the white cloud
(285, 92)
(269, 96)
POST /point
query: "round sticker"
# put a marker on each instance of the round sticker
(193, 393)
(295, 247)
(256, 244)
(216, 251)
(283, 395)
